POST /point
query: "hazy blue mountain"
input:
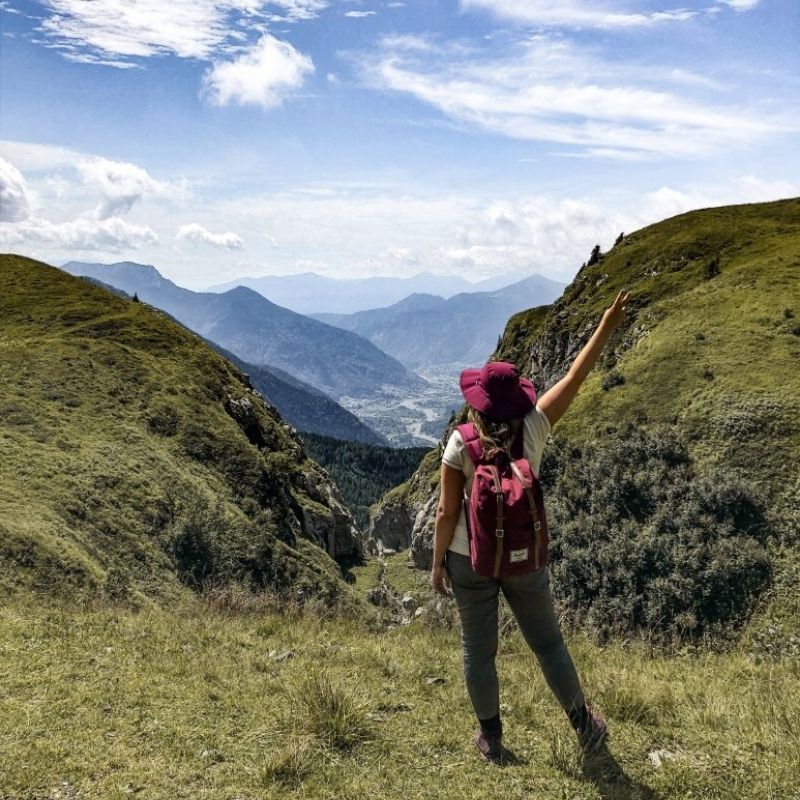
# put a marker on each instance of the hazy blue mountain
(309, 293)
(336, 361)
(303, 406)
(423, 329)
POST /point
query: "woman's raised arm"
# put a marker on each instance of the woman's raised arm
(555, 401)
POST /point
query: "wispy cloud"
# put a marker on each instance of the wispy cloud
(121, 184)
(194, 232)
(262, 76)
(39, 157)
(591, 13)
(121, 29)
(359, 14)
(741, 5)
(122, 33)
(551, 89)
(113, 235)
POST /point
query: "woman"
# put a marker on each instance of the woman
(499, 404)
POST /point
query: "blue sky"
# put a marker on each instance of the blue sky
(216, 138)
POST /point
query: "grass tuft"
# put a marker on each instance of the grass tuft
(330, 712)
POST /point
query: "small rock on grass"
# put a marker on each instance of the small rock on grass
(285, 655)
(658, 757)
(434, 681)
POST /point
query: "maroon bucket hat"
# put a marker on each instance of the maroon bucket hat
(497, 390)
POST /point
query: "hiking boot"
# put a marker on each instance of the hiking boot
(593, 733)
(489, 745)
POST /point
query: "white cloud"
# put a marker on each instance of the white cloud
(386, 231)
(121, 183)
(111, 235)
(579, 13)
(14, 196)
(552, 90)
(263, 76)
(119, 33)
(39, 157)
(137, 28)
(194, 232)
(755, 190)
(741, 5)
(359, 14)
(295, 10)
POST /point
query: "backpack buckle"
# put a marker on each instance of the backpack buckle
(537, 525)
(499, 533)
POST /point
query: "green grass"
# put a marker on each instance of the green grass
(134, 455)
(191, 702)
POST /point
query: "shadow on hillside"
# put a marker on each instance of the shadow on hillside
(346, 565)
(604, 771)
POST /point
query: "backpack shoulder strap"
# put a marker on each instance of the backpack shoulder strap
(472, 442)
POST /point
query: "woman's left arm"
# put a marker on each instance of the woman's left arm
(451, 492)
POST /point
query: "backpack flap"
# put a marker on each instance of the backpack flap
(504, 512)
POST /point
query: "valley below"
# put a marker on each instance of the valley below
(412, 418)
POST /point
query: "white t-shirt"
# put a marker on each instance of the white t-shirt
(536, 429)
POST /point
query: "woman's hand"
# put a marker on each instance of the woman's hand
(440, 580)
(615, 313)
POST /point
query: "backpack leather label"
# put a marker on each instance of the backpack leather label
(518, 555)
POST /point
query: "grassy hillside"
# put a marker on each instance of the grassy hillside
(712, 337)
(135, 460)
(673, 479)
(202, 702)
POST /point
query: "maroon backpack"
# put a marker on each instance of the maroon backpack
(505, 515)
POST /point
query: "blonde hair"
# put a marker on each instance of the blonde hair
(495, 435)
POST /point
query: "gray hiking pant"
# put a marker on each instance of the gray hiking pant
(532, 604)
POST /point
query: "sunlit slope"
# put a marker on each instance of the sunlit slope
(712, 340)
(136, 460)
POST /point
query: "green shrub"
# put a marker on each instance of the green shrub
(613, 378)
(333, 714)
(641, 541)
(163, 419)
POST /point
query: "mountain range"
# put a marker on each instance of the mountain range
(424, 329)
(310, 293)
(301, 405)
(336, 362)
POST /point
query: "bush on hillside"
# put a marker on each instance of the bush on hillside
(209, 546)
(642, 542)
(612, 379)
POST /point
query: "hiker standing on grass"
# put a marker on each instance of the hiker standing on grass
(491, 533)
